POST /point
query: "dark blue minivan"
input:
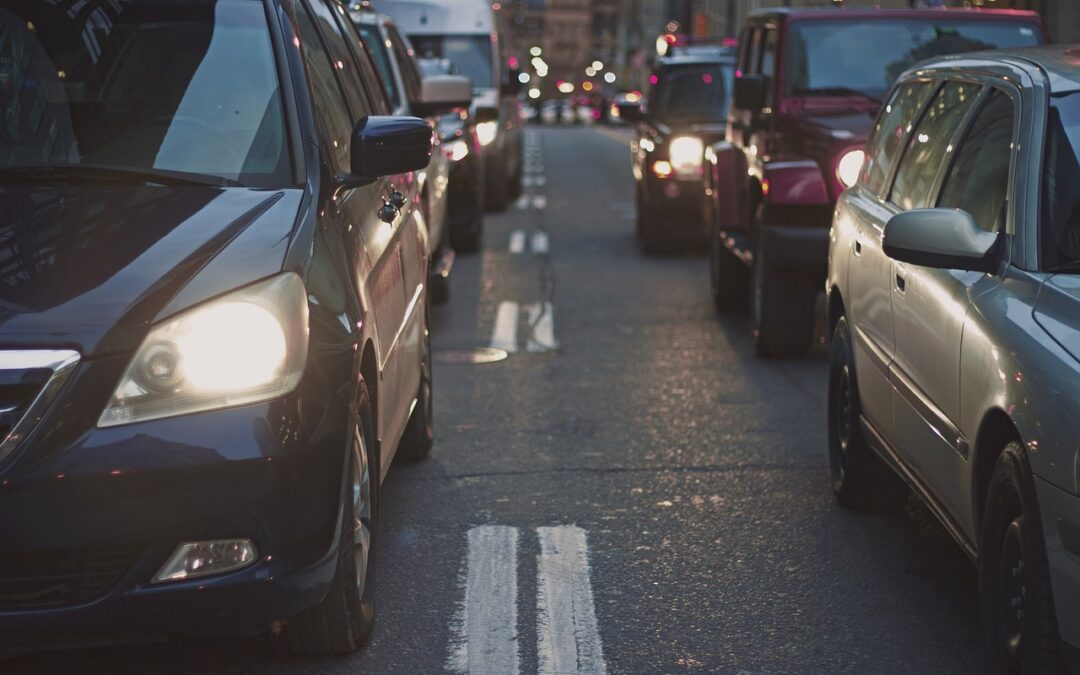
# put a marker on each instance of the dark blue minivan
(213, 323)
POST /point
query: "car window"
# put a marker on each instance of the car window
(890, 130)
(929, 144)
(341, 58)
(1061, 182)
(768, 61)
(690, 94)
(405, 56)
(376, 46)
(373, 84)
(745, 41)
(330, 107)
(978, 180)
(754, 66)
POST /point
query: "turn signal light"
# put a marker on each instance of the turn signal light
(661, 168)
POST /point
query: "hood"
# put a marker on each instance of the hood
(91, 267)
(1057, 310)
(844, 128)
(708, 132)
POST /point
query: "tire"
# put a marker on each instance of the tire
(782, 306)
(498, 187)
(859, 479)
(468, 237)
(343, 621)
(419, 435)
(648, 241)
(729, 277)
(1017, 618)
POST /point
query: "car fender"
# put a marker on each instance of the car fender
(727, 172)
(794, 182)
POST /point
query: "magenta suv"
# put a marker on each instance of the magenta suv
(809, 84)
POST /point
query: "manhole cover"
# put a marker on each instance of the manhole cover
(479, 355)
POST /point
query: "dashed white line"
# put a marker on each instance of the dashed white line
(522, 203)
(568, 640)
(539, 202)
(540, 242)
(485, 632)
(505, 334)
(541, 317)
(517, 241)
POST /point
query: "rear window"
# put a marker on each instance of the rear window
(691, 94)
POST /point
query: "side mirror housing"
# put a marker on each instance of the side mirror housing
(940, 238)
(486, 114)
(749, 92)
(385, 146)
(631, 112)
(439, 94)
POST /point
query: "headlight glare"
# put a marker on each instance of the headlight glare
(686, 155)
(485, 132)
(849, 167)
(245, 347)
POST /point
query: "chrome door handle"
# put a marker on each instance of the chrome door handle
(900, 283)
(858, 247)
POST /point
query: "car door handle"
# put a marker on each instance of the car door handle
(858, 247)
(900, 283)
(387, 213)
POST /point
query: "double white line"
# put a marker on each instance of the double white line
(541, 327)
(538, 242)
(485, 631)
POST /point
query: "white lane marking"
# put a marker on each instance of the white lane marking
(517, 241)
(534, 169)
(540, 242)
(539, 202)
(568, 639)
(485, 631)
(505, 334)
(541, 317)
(522, 203)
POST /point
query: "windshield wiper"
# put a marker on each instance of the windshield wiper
(86, 173)
(837, 91)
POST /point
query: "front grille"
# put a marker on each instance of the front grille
(36, 579)
(18, 389)
(29, 382)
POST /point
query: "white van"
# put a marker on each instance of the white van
(464, 32)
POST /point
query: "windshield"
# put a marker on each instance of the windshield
(830, 58)
(185, 86)
(690, 94)
(470, 54)
(1061, 182)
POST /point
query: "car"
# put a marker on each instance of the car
(466, 33)
(954, 308)
(685, 112)
(810, 82)
(461, 146)
(411, 93)
(215, 334)
(550, 112)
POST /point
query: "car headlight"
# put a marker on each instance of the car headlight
(485, 132)
(456, 150)
(686, 153)
(849, 167)
(244, 347)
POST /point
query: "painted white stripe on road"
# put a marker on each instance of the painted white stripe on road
(568, 639)
(539, 202)
(541, 317)
(485, 632)
(540, 243)
(517, 241)
(522, 203)
(505, 334)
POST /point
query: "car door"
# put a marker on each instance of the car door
(869, 292)
(378, 257)
(930, 305)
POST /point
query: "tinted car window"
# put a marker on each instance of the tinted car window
(1061, 185)
(828, 58)
(889, 132)
(330, 105)
(978, 181)
(406, 58)
(376, 46)
(929, 143)
(341, 58)
(180, 86)
(690, 94)
(470, 54)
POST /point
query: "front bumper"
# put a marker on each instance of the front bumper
(130, 495)
(1060, 513)
(676, 205)
(794, 247)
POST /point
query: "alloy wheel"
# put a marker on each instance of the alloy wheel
(361, 507)
(1012, 589)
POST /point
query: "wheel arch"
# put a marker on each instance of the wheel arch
(835, 309)
(995, 432)
(369, 371)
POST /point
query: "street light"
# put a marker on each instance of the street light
(590, 71)
(523, 78)
(598, 65)
(609, 77)
(535, 51)
(534, 93)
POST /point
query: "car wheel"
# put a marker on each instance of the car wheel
(782, 306)
(730, 279)
(858, 477)
(342, 622)
(498, 187)
(1018, 621)
(419, 435)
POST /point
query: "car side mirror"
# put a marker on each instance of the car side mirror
(631, 112)
(749, 92)
(940, 238)
(385, 146)
(487, 113)
(512, 86)
(440, 94)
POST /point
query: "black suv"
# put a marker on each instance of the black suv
(686, 112)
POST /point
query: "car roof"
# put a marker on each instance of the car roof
(785, 13)
(1060, 63)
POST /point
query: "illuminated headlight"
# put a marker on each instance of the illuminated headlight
(485, 132)
(456, 151)
(245, 347)
(849, 166)
(686, 153)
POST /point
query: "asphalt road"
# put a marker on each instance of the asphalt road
(631, 490)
